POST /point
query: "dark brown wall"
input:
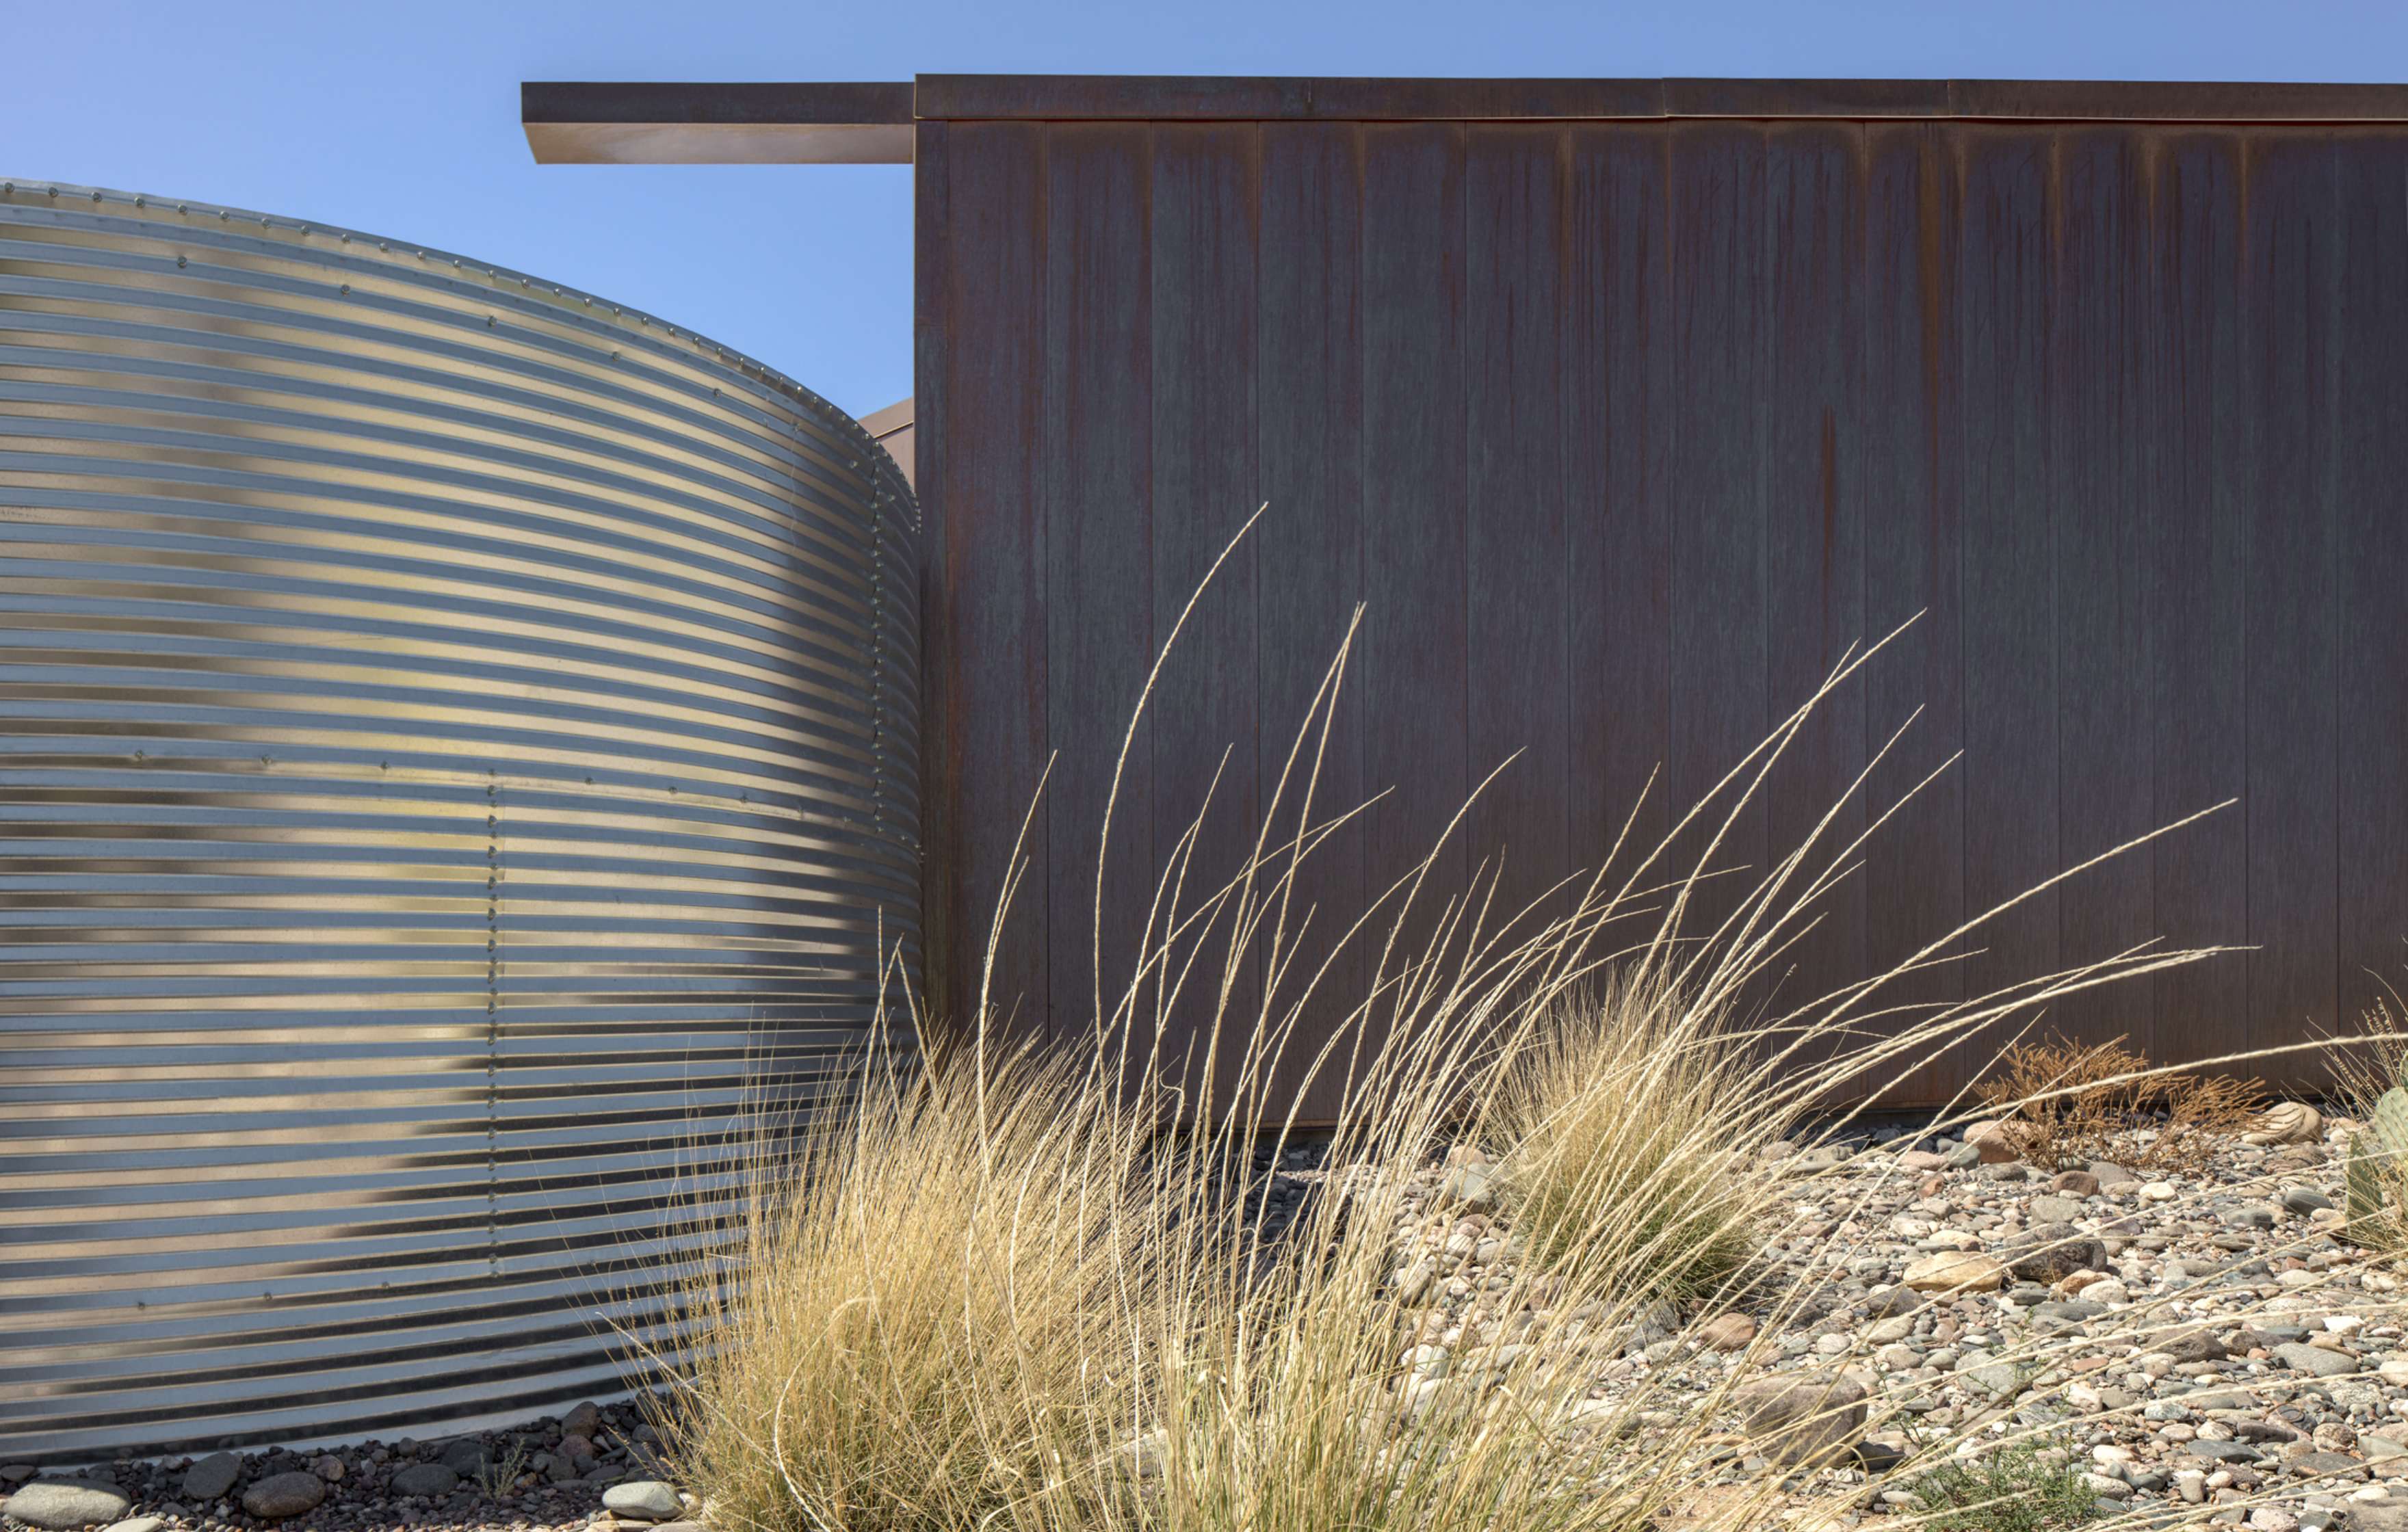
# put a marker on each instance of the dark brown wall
(1623, 432)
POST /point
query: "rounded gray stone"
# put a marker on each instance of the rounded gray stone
(427, 1478)
(279, 1495)
(212, 1476)
(66, 1505)
(646, 1499)
(2315, 1361)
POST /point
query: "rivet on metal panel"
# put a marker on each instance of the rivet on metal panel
(179, 262)
(345, 290)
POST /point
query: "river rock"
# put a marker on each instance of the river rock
(2316, 1360)
(1993, 1142)
(1471, 1188)
(1727, 1332)
(62, 1505)
(281, 1496)
(645, 1500)
(1798, 1418)
(211, 1477)
(426, 1478)
(2290, 1122)
(2048, 1251)
(1955, 1271)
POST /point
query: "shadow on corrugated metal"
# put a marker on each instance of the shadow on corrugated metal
(457, 748)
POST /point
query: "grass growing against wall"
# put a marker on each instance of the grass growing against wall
(1025, 1291)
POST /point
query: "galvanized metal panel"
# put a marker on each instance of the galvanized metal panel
(457, 750)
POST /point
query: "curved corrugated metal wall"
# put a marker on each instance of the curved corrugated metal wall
(457, 748)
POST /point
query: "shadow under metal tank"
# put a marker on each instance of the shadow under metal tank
(458, 758)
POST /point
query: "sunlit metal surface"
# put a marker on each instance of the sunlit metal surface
(456, 749)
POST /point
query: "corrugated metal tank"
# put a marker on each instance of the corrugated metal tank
(457, 746)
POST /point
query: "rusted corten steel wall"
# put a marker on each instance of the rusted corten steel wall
(1625, 430)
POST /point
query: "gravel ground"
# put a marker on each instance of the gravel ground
(550, 1474)
(2207, 1346)
(2195, 1343)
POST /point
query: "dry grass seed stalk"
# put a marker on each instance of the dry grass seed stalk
(1015, 1297)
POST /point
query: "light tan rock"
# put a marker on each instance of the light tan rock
(1727, 1332)
(1992, 1141)
(1955, 1271)
(2288, 1122)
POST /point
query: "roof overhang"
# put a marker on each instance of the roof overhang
(644, 122)
(571, 122)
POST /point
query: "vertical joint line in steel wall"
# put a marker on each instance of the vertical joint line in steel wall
(492, 1020)
(877, 696)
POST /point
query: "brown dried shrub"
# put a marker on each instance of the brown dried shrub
(2065, 1103)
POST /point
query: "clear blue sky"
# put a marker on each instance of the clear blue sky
(400, 117)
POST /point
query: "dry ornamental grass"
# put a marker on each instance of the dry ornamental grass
(1023, 1292)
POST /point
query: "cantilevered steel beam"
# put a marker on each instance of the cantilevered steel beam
(645, 123)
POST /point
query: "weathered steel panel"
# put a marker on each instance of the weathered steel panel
(1648, 420)
(458, 741)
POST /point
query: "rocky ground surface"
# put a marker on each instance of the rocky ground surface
(593, 1467)
(2192, 1342)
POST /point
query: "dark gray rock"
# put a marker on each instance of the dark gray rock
(284, 1495)
(2305, 1200)
(2254, 1215)
(464, 1457)
(2191, 1346)
(2072, 1309)
(581, 1420)
(426, 1478)
(211, 1477)
(2223, 1452)
(2048, 1251)
(62, 1505)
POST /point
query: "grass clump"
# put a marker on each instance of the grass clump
(1630, 1119)
(2069, 1104)
(2013, 1488)
(926, 1317)
(1040, 1295)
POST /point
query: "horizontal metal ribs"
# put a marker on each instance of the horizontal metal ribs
(456, 759)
